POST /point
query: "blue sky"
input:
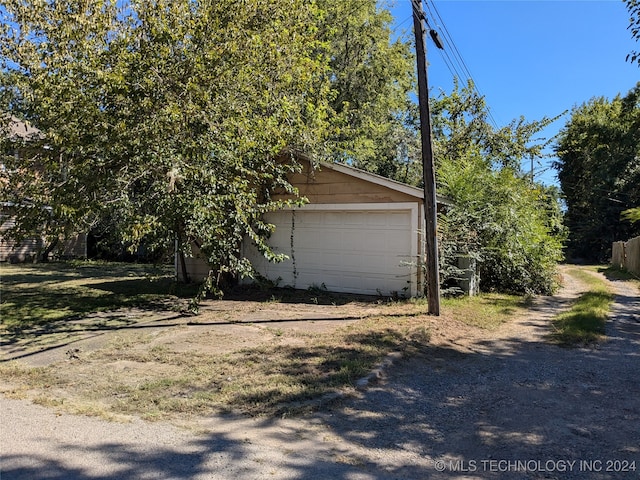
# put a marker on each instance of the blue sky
(533, 58)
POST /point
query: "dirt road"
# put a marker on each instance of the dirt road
(510, 407)
(506, 405)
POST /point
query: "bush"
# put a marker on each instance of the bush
(513, 227)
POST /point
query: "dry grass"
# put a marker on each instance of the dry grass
(487, 311)
(277, 376)
(257, 369)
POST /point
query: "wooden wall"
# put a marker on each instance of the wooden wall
(10, 251)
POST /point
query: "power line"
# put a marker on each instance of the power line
(446, 57)
(447, 37)
(451, 55)
(460, 58)
(451, 63)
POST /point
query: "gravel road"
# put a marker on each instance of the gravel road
(512, 407)
(506, 405)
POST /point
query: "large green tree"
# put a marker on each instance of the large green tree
(633, 214)
(177, 118)
(599, 170)
(461, 124)
(372, 79)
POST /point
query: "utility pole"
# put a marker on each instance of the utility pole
(428, 171)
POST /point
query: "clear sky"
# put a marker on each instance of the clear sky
(532, 58)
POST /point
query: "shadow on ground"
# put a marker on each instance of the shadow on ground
(540, 405)
(506, 409)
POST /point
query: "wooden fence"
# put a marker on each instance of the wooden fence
(627, 255)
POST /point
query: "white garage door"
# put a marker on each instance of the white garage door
(354, 251)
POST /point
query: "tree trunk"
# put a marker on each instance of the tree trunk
(44, 257)
(183, 267)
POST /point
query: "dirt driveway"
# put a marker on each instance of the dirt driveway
(508, 407)
(481, 405)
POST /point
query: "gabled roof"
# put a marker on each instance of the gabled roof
(418, 193)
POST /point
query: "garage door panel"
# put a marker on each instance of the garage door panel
(339, 219)
(282, 231)
(372, 243)
(308, 219)
(331, 260)
(356, 251)
(315, 259)
(377, 219)
(398, 220)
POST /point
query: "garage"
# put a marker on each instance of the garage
(359, 233)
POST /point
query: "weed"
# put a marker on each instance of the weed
(317, 289)
(278, 332)
(487, 311)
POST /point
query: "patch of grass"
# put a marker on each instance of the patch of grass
(487, 311)
(43, 296)
(584, 323)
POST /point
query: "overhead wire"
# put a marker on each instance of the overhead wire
(460, 59)
(447, 37)
(446, 59)
(451, 55)
(449, 62)
(464, 64)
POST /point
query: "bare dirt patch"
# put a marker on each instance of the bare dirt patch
(259, 352)
(221, 326)
(253, 356)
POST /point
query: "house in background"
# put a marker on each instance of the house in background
(10, 251)
(17, 130)
(360, 233)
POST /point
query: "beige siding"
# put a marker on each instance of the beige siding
(327, 186)
(10, 251)
(333, 187)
